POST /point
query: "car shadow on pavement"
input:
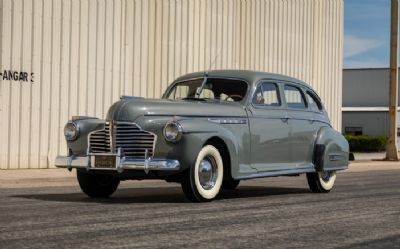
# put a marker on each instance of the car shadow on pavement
(162, 195)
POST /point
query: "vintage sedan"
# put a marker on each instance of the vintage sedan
(209, 131)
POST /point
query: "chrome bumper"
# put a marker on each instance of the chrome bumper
(73, 162)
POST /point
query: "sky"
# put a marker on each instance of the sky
(366, 33)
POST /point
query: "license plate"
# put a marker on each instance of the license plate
(104, 161)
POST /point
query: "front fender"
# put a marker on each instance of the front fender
(196, 132)
(331, 150)
(231, 134)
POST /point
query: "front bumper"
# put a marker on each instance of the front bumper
(122, 163)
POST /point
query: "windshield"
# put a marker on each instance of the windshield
(214, 89)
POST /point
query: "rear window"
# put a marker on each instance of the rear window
(294, 97)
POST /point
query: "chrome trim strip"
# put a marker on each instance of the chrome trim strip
(122, 163)
(277, 173)
(336, 157)
(228, 120)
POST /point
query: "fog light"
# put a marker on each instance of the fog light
(173, 132)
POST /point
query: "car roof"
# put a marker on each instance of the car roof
(250, 76)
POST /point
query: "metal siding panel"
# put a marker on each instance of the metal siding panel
(123, 48)
(15, 96)
(4, 144)
(26, 87)
(165, 44)
(54, 130)
(83, 49)
(137, 49)
(129, 39)
(202, 37)
(100, 58)
(91, 52)
(7, 28)
(107, 61)
(219, 27)
(86, 53)
(151, 49)
(36, 86)
(45, 88)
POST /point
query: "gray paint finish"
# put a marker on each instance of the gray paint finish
(270, 141)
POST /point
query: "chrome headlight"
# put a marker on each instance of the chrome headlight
(71, 131)
(173, 132)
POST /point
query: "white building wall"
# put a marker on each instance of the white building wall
(84, 54)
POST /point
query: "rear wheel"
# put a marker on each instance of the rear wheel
(97, 185)
(202, 182)
(321, 182)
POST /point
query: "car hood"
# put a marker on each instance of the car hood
(131, 109)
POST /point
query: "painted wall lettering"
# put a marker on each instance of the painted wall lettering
(16, 76)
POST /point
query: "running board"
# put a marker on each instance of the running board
(277, 173)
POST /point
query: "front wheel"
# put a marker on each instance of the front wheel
(321, 182)
(97, 185)
(202, 182)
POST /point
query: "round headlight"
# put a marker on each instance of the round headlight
(173, 132)
(71, 131)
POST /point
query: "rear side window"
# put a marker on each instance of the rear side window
(294, 97)
(313, 102)
(267, 95)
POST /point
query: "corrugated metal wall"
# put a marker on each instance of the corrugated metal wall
(83, 54)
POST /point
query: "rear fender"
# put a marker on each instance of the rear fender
(331, 151)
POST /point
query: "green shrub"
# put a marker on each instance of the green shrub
(366, 143)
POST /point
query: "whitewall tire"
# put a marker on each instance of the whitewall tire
(202, 182)
(321, 182)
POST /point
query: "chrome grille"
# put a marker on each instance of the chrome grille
(128, 136)
(99, 141)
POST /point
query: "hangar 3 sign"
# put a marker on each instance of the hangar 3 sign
(16, 76)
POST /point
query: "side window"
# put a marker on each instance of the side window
(267, 95)
(313, 102)
(294, 97)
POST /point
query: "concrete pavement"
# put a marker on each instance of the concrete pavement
(62, 177)
(361, 212)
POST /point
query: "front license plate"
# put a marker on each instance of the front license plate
(104, 161)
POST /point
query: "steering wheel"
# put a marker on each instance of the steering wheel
(235, 97)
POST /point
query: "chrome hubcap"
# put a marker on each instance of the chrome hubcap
(207, 173)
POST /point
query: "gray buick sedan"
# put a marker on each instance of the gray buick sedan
(209, 131)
